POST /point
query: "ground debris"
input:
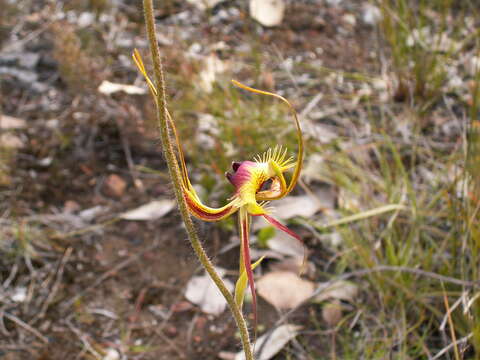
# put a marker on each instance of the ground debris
(115, 186)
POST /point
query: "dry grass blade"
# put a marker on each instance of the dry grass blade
(363, 215)
(446, 349)
(452, 327)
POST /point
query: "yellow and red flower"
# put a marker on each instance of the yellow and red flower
(256, 183)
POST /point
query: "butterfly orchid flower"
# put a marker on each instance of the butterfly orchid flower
(255, 182)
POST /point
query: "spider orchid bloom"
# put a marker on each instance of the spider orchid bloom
(256, 183)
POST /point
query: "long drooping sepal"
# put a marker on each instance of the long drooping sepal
(298, 165)
(285, 229)
(171, 124)
(282, 227)
(241, 285)
(245, 261)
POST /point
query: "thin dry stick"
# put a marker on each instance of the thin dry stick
(175, 176)
(56, 285)
(171, 344)
(446, 349)
(27, 327)
(383, 268)
(109, 273)
(84, 339)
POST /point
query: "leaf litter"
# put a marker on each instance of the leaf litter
(202, 291)
(151, 211)
(269, 344)
(284, 289)
(267, 12)
(340, 290)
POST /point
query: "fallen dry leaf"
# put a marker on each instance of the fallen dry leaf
(226, 355)
(108, 88)
(371, 14)
(204, 4)
(341, 290)
(312, 169)
(151, 211)
(267, 12)
(284, 289)
(320, 132)
(202, 291)
(19, 295)
(91, 213)
(291, 206)
(9, 123)
(286, 245)
(268, 345)
(111, 354)
(294, 265)
(11, 141)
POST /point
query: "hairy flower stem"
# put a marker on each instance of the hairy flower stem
(175, 176)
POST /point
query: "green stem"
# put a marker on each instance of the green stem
(175, 175)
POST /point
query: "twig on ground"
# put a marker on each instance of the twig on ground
(311, 105)
(15, 347)
(3, 328)
(86, 229)
(56, 285)
(191, 326)
(110, 272)
(84, 340)
(171, 344)
(453, 344)
(25, 326)
(31, 36)
(382, 268)
(11, 276)
(128, 155)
